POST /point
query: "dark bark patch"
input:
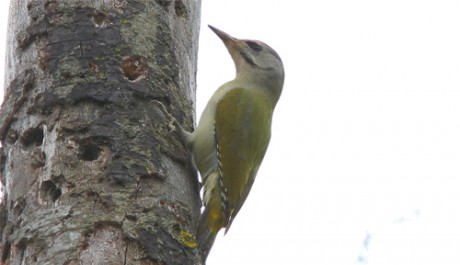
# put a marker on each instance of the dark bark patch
(16, 95)
(180, 9)
(32, 137)
(165, 56)
(49, 192)
(38, 159)
(160, 245)
(164, 3)
(6, 251)
(37, 28)
(131, 217)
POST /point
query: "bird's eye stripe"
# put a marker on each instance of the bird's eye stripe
(254, 46)
(247, 59)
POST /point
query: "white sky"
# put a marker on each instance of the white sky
(366, 136)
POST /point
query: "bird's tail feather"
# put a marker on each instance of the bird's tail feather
(206, 234)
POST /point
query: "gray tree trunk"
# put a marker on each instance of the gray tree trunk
(90, 172)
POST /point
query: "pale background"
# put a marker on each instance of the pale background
(364, 162)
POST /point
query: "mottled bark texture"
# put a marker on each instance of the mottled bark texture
(91, 173)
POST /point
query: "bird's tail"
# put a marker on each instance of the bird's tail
(206, 233)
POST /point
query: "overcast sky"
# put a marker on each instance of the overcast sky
(363, 166)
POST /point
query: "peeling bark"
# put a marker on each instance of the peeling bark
(90, 172)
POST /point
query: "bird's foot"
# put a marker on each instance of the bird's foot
(172, 121)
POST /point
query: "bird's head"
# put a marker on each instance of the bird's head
(255, 61)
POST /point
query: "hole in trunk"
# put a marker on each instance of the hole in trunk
(32, 136)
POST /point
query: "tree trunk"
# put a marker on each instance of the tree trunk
(90, 172)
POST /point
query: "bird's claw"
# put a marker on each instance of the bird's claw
(165, 112)
(171, 126)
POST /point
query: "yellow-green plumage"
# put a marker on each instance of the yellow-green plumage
(241, 133)
(243, 120)
(233, 134)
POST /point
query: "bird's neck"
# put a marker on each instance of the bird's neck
(270, 86)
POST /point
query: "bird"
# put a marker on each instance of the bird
(233, 133)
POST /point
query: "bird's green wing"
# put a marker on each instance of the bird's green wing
(242, 131)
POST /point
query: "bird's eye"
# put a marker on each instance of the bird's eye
(254, 46)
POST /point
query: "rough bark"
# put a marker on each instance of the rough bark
(90, 172)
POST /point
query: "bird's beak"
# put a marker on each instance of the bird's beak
(227, 39)
(233, 44)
